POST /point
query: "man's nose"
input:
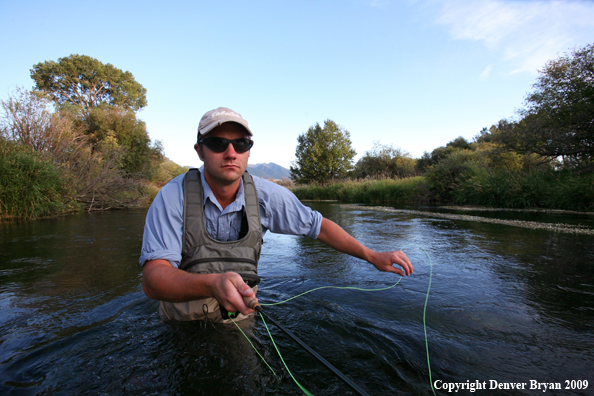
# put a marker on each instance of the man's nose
(230, 151)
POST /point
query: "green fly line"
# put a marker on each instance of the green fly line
(307, 393)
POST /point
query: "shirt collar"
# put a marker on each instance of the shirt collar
(235, 206)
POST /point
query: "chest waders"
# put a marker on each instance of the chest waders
(202, 254)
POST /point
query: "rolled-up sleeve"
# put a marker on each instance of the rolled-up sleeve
(163, 229)
(282, 213)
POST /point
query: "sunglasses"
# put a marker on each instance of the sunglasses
(218, 144)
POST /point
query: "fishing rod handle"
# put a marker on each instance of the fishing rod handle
(252, 303)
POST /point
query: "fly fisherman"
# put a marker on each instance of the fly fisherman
(203, 232)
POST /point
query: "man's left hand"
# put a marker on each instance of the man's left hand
(384, 261)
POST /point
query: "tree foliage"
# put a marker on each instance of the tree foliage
(76, 141)
(558, 117)
(84, 82)
(385, 161)
(57, 163)
(428, 159)
(323, 154)
(112, 128)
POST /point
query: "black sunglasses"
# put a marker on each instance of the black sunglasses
(218, 144)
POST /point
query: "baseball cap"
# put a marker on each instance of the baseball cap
(213, 118)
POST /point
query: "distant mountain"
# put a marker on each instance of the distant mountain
(269, 171)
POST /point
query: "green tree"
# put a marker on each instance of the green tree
(83, 82)
(385, 160)
(459, 143)
(558, 117)
(485, 135)
(323, 154)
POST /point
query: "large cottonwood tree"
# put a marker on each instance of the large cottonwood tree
(103, 100)
(85, 82)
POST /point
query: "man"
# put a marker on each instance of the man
(203, 231)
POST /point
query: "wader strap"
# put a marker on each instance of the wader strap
(193, 208)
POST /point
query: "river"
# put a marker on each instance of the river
(508, 306)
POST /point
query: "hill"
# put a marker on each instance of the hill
(269, 171)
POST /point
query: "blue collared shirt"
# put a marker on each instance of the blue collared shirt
(280, 212)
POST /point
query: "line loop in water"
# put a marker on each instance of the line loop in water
(346, 288)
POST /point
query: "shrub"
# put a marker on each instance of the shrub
(166, 171)
(30, 185)
(446, 176)
(385, 161)
(528, 189)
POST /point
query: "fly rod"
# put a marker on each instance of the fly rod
(253, 304)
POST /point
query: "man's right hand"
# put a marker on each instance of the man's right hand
(161, 281)
(229, 290)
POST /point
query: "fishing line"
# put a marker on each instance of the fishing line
(283, 360)
(332, 287)
(348, 288)
(261, 357)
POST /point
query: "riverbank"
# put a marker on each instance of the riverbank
(37, 189)
(33, 185)
(395, 191)
(536, 190)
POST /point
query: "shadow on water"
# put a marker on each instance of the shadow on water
(506, 304)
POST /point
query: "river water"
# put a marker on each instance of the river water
(507, 305)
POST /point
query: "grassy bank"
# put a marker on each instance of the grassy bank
(55, 160)
(402, 191)
(504, 189)
(33, 185)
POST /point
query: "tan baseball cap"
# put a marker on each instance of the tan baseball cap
(213, 118)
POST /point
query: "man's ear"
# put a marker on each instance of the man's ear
(199, 151)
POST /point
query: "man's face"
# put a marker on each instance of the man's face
(227, 167)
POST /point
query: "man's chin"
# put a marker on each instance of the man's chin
(230, 175)
(224, 175)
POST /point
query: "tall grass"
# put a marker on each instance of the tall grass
(30, 185)
(365, 191)
(501, 188)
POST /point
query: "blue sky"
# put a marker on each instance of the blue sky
(414, 74)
